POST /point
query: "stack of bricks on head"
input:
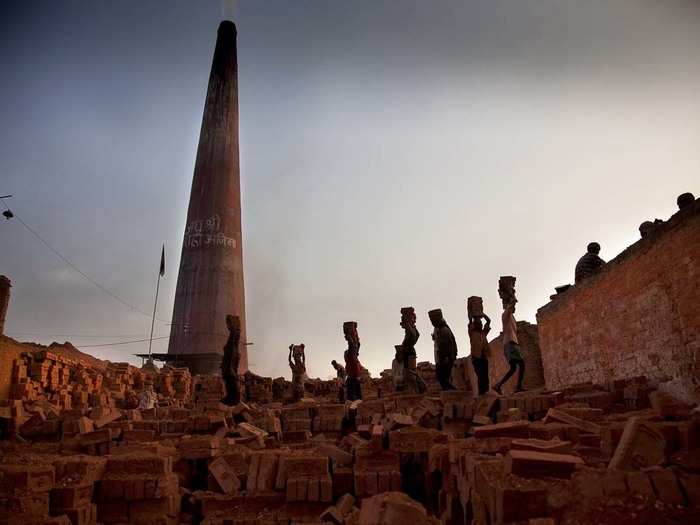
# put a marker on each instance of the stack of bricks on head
(75, 450)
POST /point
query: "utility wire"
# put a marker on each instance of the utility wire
(123, 342)
(94, 336)
(78, 270)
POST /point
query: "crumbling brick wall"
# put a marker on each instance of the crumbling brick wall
(640, 316)
(529, 344)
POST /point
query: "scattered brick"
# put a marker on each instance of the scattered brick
(528, 463)
(640, 446)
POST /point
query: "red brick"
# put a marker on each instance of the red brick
(158, 506)
(515, 429)
(138, 435)
(691, 487)
(96, 437)
(640, 446)
(411, 439)
(516, 504)
(26, 478)
(224, 475)
(553, 445)
(615, 483)
(26, 504)
(666, 486)
(314, 490)
(326, 489)
(587, 426)
(376, 443)
(71, 496)
(302, 489)
(639, 483)
(396, 421)
(343, 481)
(339, 456)
(588, 483)
(83, 515)
(332, 515)
(528, 463)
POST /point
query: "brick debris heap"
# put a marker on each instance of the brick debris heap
(75, 450)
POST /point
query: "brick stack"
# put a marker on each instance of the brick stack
(536, 455)
(329, 419)
(73, 492)
(208, 390)
(257, 389)
(138, 489)
(24, 492)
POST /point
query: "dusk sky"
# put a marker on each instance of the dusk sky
(392, 154)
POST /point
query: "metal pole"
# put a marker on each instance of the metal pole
(153, 321)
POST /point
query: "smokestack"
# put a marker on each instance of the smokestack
(5, 286)
(210, 281)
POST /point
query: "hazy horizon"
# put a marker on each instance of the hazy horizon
(392, 154)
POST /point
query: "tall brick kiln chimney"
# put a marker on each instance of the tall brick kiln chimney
(210, 281)
(5, 286)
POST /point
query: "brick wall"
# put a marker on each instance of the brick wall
(529, 345)
(640, 316)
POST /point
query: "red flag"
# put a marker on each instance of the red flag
(162, 262)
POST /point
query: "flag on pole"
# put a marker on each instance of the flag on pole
(162, 262)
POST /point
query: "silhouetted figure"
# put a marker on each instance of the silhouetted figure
(479, 350)
(412, 380)
(230, 361)
(445, 349)
(589, 264)
(340, 371)
(511, 348)
(340, 378)
(353, 369)
(297, 362)
(684, 200)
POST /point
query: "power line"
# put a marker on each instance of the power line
(78, 270)
(123, 342)
(95, 336)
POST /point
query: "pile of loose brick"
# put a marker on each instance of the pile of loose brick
(74, 450)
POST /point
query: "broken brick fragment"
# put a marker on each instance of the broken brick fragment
(562, 417)
(640, 446)
(224, 476)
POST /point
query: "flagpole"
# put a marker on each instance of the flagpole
(161, 270)
(153, 321)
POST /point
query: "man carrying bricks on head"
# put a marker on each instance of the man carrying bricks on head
(352, 361)
(413, 381)
(511, 348)
(445, 349)
(479, 350)
(229, 364)
(297, 362)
